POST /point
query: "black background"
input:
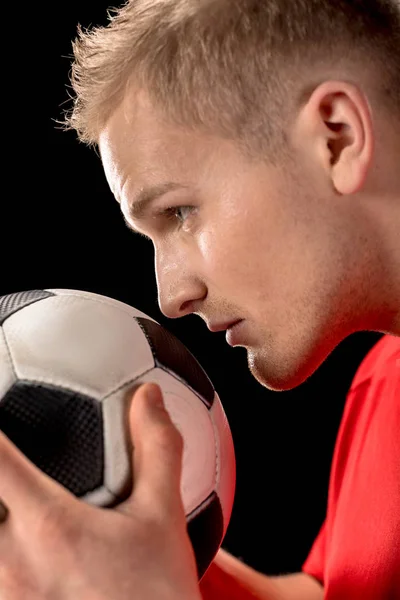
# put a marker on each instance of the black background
(62, 228)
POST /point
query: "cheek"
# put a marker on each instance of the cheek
(234, 251)
(218, 253)
(261, 263)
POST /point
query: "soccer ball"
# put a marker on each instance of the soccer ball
(69, 363)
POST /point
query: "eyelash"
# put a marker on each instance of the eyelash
(170, 213)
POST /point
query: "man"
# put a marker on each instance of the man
(257, 145)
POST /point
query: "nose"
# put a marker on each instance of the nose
(180, 291)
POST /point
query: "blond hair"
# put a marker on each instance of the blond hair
(234, 68)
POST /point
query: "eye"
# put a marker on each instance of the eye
(177, 213)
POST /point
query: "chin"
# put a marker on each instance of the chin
(273, 380)
(282, 373)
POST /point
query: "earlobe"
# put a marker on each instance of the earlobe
(350, 172)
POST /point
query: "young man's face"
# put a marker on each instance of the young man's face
(274, 247)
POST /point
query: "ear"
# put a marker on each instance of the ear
(335, 126)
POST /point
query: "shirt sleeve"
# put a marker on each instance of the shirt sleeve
(315, 562)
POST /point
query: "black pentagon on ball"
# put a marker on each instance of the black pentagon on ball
(171, 354)
(205, 531)
(12, 303)
(60, 431)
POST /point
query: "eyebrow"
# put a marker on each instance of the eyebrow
(138, 207)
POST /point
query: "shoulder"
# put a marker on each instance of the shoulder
(383, 357)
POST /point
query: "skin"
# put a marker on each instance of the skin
(307, 253)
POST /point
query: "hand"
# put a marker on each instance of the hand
(53, 546)
(228, 578)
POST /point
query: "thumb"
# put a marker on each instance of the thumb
(157, 453)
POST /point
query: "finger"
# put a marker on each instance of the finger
(23, 486)
(157, 454)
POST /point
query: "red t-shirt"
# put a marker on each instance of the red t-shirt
(356, 555)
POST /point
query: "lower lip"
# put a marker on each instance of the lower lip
(233, 334)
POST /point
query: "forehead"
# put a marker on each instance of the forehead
(139, 148)
(138, 143)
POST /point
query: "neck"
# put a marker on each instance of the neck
(386, 251)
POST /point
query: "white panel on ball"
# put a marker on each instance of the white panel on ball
(129, 310)
(7, 377)
(117, 443)
(226, 477)
(77, 343)
(190, 416)
(100, 497)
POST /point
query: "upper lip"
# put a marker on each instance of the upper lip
(222, 326)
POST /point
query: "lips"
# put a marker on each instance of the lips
(214, 327)
(235, 334)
